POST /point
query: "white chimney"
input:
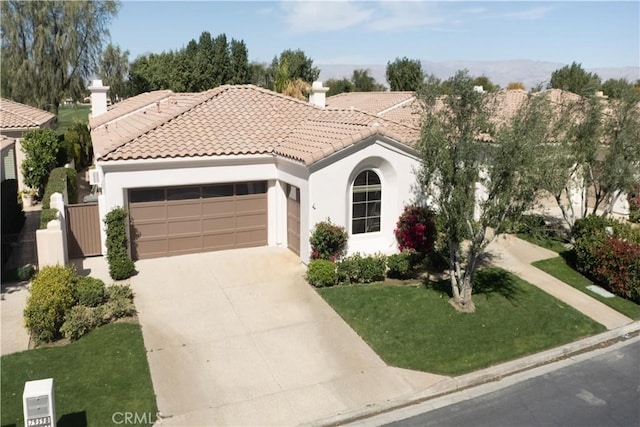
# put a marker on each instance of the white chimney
(478, 89)
(318, 96)
(98, 98)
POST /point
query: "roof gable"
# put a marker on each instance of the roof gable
(14, 115)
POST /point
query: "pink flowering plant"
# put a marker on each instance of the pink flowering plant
(416, 230)
(634, 203)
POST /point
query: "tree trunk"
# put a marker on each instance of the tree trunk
(461, 287)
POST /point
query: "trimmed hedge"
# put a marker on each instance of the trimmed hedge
(120, 264)
(328, 241)
(47, 215)
(59, 178)
(321, 273)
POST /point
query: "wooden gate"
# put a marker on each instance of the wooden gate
(83, 230)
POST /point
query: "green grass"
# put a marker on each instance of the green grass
(553, 244)
(104, 372)
(415, 327)
(558, 268)
(67, 114)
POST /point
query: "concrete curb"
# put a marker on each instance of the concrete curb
(491, 374)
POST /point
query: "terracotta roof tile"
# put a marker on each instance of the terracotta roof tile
(14, 115)
(241, 119)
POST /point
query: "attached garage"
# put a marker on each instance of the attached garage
(190, 219)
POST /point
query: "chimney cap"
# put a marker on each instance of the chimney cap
(316, 87)
(96, 86)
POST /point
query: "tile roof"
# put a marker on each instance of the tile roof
(242, 119)
(14, 115)
(401, 107)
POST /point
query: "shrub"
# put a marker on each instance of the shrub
(25, 272)
(40, 147)
(80, 320)
(47, 215)
(373, 268)
(321, 273)
(416, 230)
(117, 308)
(120, 264)
(530, 224)
(59, 180)
(328, 241)
(399, 265)
(119, 291)
(597, 225)
(51, 297)
(89, 291)
(348, 269)
(617, 268)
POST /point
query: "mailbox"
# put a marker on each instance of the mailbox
(38, 403)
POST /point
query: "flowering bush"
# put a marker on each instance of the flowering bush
(416, 230)
(618, 268)
(328, 241)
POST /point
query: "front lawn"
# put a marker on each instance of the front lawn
(414, 327)
(558, 268)
(552, 243)
(103, 373)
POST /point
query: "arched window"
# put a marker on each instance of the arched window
(366, 203)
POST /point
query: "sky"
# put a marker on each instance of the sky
(593, 33)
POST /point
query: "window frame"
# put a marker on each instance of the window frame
(369, 203)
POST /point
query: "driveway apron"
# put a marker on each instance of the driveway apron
(239, 338)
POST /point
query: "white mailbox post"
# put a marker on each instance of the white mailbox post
(38, 403)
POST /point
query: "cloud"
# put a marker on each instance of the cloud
(530, 14)
(310, 16)
(403, 15)
(474, 11)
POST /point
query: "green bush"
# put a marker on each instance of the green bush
(399, 265)
(40, 147)
(50, 299)
(360, 269)
(117, 308)
(25, 272)
(72, 185)
(89, 291)
(120, 264)
(80, 320)
(119, 291)
(530, 224)
(593, 225)
(321, 273)
(56, 184)
(348, 269)
(328, 241)
(373, 268)
(47, 215)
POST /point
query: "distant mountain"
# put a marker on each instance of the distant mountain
(530, 73)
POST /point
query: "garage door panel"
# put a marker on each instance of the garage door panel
(187, 210)
(145, 211)
(185, 244)
(250, 220)
(251, 204)
(184, 227)
(150, 248)
(218, 241)
(222, 223)
(223, 206)
(248, 238)
(150, 229)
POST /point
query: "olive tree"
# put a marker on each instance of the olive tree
(477, 175)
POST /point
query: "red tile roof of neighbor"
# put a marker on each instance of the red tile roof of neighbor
(242, 119)
(14, 115)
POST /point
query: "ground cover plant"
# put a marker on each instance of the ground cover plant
(105, 372)
(412, 326)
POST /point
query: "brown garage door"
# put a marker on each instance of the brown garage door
(181, 220)
(293, 218)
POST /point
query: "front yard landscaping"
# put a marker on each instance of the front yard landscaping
(414, 327)
(558, 268)
(105, 372)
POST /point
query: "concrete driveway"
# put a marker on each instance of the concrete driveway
(239, 338)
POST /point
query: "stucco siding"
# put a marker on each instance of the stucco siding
(330, 187)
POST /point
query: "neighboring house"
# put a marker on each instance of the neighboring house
(240, 166)
(15, 120)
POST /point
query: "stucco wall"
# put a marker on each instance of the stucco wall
(331, 184)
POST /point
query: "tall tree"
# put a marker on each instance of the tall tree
(455, 164)
(113, 70)
(405, 74)
(240, 70)
(221, 61)
(487, 85)
(297, 64)
(51, 48)
(337, 86)
(260, 75)
(363, 82)
(574, 78)
(595, 156)
(615, 88)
